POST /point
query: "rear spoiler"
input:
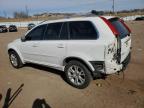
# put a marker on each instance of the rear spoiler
(113, 29)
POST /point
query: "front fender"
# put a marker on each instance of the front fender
(12, 47)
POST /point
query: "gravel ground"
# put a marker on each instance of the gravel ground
(47, 85)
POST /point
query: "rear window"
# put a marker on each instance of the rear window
(120, 27)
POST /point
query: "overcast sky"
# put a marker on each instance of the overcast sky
(7, 7)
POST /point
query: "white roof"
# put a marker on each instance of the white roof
(109, 17)
(76, 19)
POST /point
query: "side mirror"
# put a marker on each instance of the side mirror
(23, 39)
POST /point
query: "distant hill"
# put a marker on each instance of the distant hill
(51, 16)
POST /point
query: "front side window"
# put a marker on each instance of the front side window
(37, 33)
(53, 31)
(82, 30)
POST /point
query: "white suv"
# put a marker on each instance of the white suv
(84, 48)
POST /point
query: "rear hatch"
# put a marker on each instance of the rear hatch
(124, 37)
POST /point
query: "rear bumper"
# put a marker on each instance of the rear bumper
(1, 31)
(111, 68)
(11, 30)
(105, 68)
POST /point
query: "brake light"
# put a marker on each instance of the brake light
(125, 25)
(113, 29)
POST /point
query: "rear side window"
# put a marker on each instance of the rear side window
(53, 31)
(64, 31)
(120, 27)
(81, 30)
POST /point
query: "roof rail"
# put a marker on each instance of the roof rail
(43, 21)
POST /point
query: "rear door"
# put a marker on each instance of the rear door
(125, 37)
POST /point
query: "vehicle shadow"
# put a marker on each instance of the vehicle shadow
(44, 68)
(58, 72)
(40, 103)
(11, 97)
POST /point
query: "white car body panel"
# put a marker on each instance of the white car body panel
(126, 44)
(52, 53)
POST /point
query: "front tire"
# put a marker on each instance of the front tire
(77, 74)
(15, 59)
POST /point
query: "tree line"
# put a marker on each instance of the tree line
(21, 14)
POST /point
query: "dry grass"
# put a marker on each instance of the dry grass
(59, 17)
(31, 18)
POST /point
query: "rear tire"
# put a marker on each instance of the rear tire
(77, 74)
(15, 59)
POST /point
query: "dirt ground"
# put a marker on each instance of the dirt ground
(40, 83)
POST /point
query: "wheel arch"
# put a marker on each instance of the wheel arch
(86, 63)
(13, 49)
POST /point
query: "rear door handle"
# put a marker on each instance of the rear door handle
(35, 45)
(60, 46)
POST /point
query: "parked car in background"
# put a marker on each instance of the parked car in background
(12, 28)
(30, 26)
(3, 28)
(84, 48)
(140, 18)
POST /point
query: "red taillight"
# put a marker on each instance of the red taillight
(113, 29)
(125, 25)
